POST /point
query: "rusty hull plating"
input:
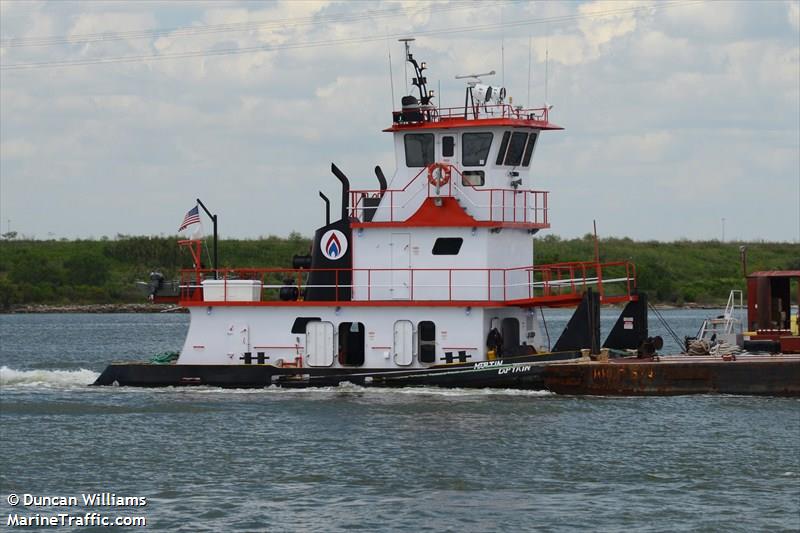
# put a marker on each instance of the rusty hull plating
(774, 375)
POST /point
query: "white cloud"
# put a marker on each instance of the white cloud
(17, 149)
(793, 8)
(672, 112)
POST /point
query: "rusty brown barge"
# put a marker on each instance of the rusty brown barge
(771, 375)
(765, 360)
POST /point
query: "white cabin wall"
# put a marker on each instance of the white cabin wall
(269, 331)
(373, 249)
(511, 249)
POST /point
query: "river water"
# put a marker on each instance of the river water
(349, 458)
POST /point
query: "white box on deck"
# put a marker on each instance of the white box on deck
(232, 290)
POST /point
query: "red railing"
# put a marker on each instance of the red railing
(539, 114)
(556, 284)
(522, 206)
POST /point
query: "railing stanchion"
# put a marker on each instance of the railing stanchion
(514, 203)
(450, 284)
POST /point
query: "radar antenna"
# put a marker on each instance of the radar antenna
(476, 76)
(419, 81)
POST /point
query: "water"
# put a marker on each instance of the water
(349, 458)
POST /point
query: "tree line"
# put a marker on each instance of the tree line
(105, 270)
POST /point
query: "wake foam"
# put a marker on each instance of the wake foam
(46, 378)
(357, 390)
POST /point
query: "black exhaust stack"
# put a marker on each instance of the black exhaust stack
(332, 251)
(327, 208)
(381, 178)
(345, 189)
(370, 203)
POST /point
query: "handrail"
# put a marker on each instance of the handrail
(538, 114)
(527, 283)
(534, 211)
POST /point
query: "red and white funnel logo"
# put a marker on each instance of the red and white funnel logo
(333, 244)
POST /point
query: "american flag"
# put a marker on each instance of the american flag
(192, 217)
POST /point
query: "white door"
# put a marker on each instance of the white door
(238, 340)
(319, 343)
(403, 342)
(401, 263)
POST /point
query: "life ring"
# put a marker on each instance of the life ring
(444, 174)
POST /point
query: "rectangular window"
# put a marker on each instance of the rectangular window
(426, 334)
(351, 343)
(475, 148)
(515, 148)
(473, 178)
(448, 146)
(447, 245)
(419, 149)
(501, 154)
(529, 149)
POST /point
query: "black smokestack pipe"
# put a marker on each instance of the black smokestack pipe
(327, 208)
(345, 189)
(381, 178)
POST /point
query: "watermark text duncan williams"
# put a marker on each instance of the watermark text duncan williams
(107, 500)
(93, 499)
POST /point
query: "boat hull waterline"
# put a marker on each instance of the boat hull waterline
(561, 373)
(521, 372)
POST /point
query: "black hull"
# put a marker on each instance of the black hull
(524, 372)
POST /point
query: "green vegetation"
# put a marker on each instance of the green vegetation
(104, 271)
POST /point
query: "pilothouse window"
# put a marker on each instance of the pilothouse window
(475, 148)
(515, 148)
(448, 146)
(529, 149)
(419, 149)
(501, 153)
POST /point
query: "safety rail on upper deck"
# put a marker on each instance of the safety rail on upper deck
(555, 284)
(512, 205)
(476, 112)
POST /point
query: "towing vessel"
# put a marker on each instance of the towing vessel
(429, 280)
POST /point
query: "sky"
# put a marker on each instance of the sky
(682, 118)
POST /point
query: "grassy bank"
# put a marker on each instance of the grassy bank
(104, 271)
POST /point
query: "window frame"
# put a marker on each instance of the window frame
(479, 173)
(508, 161)
(409, 136)
(529, 149)
(452, 142)
(501, 153)
(464, 142)
(445, 245)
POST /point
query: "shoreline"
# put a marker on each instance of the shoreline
(165, 308)
(92, 308)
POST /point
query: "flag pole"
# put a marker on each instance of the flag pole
(214, 220)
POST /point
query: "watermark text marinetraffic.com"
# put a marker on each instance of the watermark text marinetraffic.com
(97, 509)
